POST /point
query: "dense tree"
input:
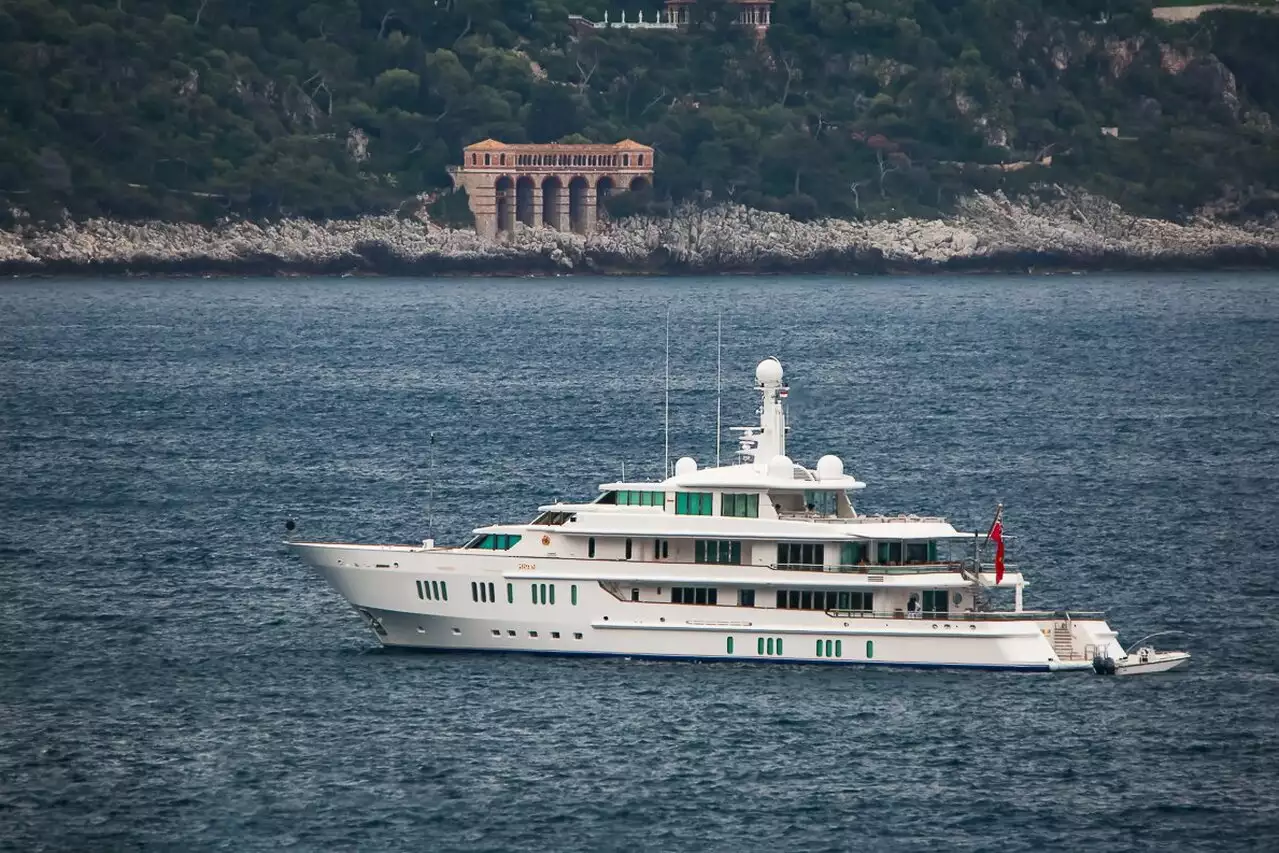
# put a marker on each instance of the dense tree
(206, 108)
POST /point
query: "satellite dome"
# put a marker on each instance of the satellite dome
(686, 465)
(830, 467)
(781, 468)
(769, 371)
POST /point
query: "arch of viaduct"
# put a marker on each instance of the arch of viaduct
(560, 186)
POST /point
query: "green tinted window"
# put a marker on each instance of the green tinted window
(870, 649)
(693, 503)
(730, 645)
(572, 594)
(839, 648)
(739, 506)
(760, 645)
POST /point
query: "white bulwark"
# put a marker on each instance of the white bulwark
(761, 560)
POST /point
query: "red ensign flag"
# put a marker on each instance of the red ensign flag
(997, 534)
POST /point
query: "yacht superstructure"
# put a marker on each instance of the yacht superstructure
(761, 560)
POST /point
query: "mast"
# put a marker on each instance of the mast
(666, 462)
(430, 489)
(719, 351)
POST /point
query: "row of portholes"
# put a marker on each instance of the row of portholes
(825, 648)
(435, 590)
(835, 649)
(555, 635)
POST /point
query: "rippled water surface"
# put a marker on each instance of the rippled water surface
(169, 678)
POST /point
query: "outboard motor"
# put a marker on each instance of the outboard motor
(1103, 664)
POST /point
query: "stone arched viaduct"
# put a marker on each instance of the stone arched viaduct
(558, 186)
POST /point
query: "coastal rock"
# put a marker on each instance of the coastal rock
(1057, 226)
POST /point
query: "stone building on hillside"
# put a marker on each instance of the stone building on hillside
(558, 185)
(757, 14)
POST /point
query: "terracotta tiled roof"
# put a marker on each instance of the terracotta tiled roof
(630, 143)
(486, 145)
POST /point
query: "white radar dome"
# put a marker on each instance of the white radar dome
(830, 467)
(781, 468)
(769, 371)
(686, 465)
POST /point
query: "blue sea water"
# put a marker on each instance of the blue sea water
(170, 678)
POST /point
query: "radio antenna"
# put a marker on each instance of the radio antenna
(666, 469)
(719, 349)
(430, 489)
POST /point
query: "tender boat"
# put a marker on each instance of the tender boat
(761, 560)
(1144, 661)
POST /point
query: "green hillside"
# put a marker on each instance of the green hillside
(200, 109)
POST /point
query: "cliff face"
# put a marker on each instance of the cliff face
(1060, 228)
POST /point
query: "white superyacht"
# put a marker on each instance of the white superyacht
(763, 560)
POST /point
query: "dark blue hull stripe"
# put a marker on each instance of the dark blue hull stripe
(734, 659)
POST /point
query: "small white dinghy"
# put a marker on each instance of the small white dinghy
(1141, 662)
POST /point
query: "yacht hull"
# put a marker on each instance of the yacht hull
(491, 603)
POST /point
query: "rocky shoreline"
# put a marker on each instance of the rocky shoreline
(1064, 231)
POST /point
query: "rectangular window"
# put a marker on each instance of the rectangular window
(781, 599)
(635, 497)
(801, 555)
(419, 590)
(590, 547)
(576, 635)
(510, 593)
(821, 502)
(693, 503)
(552, 593)
(739, 506)
(661, 549)
(721, 551)
(889, 553)
(936, 602)
(572, 594)
(634, 594)
(694, 595)
(444, 590)
(492, 592)
(628, 549)
(746, 598)
(917, 552)
(555, 635)
(854, 553)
